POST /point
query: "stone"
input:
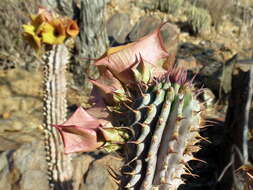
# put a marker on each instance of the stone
(170, 36)
(7, 144)
(98, 178)
(25, 83)
(23, 167)
(146, 25)
(214, 69)
(118, 27)
(188, 63)
(81, 164)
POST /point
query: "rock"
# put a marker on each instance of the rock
(98, 177)
(23, 82)
(214, 65)
(30, 180)
(218, 76)
(188, 63)
(25, 168)
(22, 94)
(118, 26)
(170, 35)
(146, 25)
(7, 144)
(81, 165)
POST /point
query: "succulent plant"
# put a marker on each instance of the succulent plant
(170, 6)
(47, 33)
(199, 19)
(145, 107)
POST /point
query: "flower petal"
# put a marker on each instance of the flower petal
(51, 34)
(79, 139)
(29, 34)
(83, 119)
(59, 27)
(150, 48)
(72, 28)
(80, 132)
(46, 14)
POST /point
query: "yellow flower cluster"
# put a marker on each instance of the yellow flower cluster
(49, 29)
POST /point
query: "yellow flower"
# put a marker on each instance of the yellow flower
(30, 35)
(49, 29)
(52, 33)
(72, 28)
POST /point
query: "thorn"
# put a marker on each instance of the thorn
(134, 142)
(128, 163)
(112, 173)
(187, 169)
(198, 92)
(192, 148)
(113, 110)
(195, 112)
(160, 121)
(130, 173)
(166, 182)
(46, 148)
(143, 125)
(194, 129)
(193, 78)
(128, 107)
(211, 121)
(154, 139)
(176, 177)
(40, 127)
(179, 118)
(183, 162)
(196, 159)
(149, 155)
(175, 136)
(171, 151)
(205, 126)
(155, 81)
(202, 122)
(142, 94)
(148, 172)
(115, 180)
(145, 185)
(188, 166)
(129, 129)
(164, 165)
(203, 138)
(162, 180)
(190, 174)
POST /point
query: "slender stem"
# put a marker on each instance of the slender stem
(246, 124)
(55, 109)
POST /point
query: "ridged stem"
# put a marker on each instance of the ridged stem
(55, 109)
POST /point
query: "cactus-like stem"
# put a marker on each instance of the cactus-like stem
(55, 109)
(166, 136)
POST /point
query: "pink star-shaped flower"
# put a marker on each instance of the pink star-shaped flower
(80, 132)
